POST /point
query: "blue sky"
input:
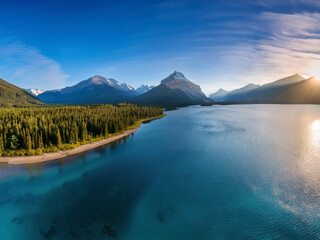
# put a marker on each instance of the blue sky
(52, 44)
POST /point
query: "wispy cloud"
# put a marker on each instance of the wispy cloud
(290, 45)
(272, 3)
(27, 67)
(258, 48)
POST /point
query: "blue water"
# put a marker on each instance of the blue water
(220, 172)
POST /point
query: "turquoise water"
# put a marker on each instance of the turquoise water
(220, 172)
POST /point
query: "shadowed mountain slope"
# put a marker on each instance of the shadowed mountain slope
(94, 90)
(266, 93)
(175, 90)
(305, 92)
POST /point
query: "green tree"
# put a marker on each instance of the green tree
(106, 130)
(84, 132)
(40, 141)
(1, 144)
(28, 143)
(58, 137)
(74, 133)
(13, 142)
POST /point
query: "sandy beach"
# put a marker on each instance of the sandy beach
(62, 154)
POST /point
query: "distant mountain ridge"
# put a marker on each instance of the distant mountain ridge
(11, 95)
(218, 95)
(95, 90)
(267, 93)
(222, 95)
(175, 90)
(304, 92)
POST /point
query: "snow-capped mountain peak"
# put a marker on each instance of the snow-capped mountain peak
(144, 88)
(35, 92)
(113, 82)
(126, 87)
(177, 80)
(175, 76)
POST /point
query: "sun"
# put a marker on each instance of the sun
(307, 76)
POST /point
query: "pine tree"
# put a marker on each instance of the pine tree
(106, 130)
(13, 141)
(40, 141)
(84, 132)
(74, 133)
(58, 138)
(28, 142)
(1, 144)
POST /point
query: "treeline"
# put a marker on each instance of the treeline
(31, 131)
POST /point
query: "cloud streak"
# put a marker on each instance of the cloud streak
(27, 67)
(272, 3)
(290, 45)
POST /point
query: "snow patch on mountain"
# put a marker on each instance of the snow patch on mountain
(35, 91)
(143, 89)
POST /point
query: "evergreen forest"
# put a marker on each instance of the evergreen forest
(35, 130)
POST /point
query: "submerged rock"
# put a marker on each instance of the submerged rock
(17, 220)
(54, 221)
(50, 233)
(108, 230)
(161, 217)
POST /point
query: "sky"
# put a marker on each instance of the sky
(216, 44)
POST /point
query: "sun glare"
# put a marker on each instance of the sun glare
(307, 76)
(315, 127)
(317, 78)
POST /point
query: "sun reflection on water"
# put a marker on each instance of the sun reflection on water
(309, 161)
(315, 127)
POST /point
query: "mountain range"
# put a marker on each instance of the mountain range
(95, 90)
(175, 90)
(292, 89)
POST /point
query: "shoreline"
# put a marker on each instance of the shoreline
(80, 149)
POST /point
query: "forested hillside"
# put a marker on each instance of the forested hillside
(30, 131)
(10, 95)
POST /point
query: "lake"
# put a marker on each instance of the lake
(220, 172)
